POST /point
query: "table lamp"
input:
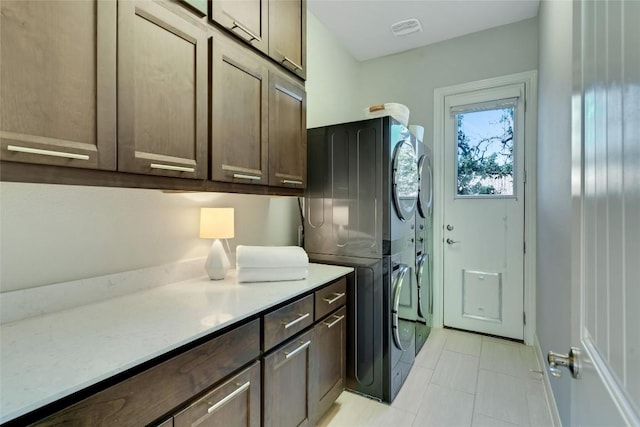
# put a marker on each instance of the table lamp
(216, 223)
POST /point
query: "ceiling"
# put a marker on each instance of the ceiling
(364, 26)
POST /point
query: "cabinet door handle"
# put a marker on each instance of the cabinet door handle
(243, 176)
(338, 295)
(295, 66)
(299, 319)
(171, 167)
(291, 181)
(305, 344)
(229, 397)
(338, 319)
(244, 29)
(50, 153)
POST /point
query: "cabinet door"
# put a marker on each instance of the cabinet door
(288, 373)
(235, 403)
(239, 115)
(287, 34)
(329, 359)
(287, 133)
(162, 92)
(248, 19)
(58, 83)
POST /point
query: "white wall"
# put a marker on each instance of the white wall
(554, 188)
(57, 233)
(411, 77)
(333, 77)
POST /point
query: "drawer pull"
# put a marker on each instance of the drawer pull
(291, 181)
(50, 153)
(243, 176)
(295, 66)
(244, 29)
(305, 344)
(338, 319)
(338, 295)
(229, 397)
(293, 322)
(171, 167)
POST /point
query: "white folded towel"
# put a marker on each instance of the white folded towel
(271, 257)
(261, 274)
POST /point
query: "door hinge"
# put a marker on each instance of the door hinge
(524, 318)
(525, 177)
(524, 247)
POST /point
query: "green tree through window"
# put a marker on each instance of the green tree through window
(485, 152)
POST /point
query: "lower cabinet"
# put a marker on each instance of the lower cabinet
(288, 380)
(329, 360)
(284, 369)
(236, 403)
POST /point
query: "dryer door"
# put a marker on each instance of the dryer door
(405, 179)
(425, 192)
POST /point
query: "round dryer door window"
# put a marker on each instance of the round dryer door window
(405, 180)
(425, 195)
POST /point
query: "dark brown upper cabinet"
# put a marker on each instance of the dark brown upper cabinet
(248, 19)
(287, 34)
(287, 132)
(58, 83)
(239, 114)
(162, 92)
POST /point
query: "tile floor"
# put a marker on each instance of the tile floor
(458, 379)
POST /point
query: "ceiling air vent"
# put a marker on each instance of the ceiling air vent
(405, 27)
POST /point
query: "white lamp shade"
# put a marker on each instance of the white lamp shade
(216, 223)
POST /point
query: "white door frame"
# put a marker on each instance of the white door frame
(530, 80)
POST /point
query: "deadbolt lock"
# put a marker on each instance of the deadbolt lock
(449, 227)
(570, 361)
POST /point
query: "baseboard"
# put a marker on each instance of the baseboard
(548, 391)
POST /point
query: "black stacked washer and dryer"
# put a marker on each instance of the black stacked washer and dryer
(360, 208)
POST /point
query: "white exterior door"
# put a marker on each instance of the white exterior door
(484, 211)
(606, 226)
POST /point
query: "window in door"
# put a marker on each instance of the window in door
(485, 150)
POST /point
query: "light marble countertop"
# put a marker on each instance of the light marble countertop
(45, 358)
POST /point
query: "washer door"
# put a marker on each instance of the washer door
(405, 180)
(425, 193)
(398, 281)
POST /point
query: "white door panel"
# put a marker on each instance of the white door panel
(483, 235)
(606, 192)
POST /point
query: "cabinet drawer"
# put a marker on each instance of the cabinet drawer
(143, 398)
(331, 298)
(287, 321)
(235, 403)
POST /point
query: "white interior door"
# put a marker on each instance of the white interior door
(606, 233)
(484, 211)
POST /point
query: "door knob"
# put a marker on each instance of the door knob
(451, 242)
(449, 227)
(570, 361)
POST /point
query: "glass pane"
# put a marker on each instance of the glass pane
(485, 152)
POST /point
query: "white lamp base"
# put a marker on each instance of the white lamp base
(217, 263)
